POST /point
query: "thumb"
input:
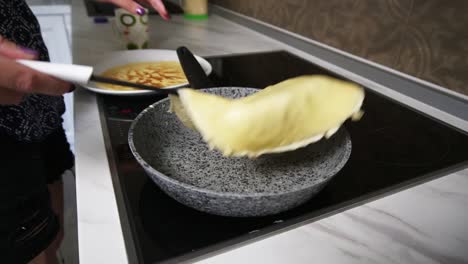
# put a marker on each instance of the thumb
(159, 6)
(13, 51)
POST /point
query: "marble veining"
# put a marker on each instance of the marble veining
(395, 218)
(402, 228)
(416, 242)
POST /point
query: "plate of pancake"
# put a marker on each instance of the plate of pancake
(158, 68)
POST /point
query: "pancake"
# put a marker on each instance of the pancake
(158, 74)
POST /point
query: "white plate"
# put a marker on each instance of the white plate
(128, 56)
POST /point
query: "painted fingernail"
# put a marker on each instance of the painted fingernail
(29, 51)
(140, 11)
(167, 16)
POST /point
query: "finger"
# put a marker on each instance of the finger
(8, 97)
(129, 5)
(13, 51)
(159, 6)
(21, 79)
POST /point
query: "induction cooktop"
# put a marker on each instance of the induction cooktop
(394, 147)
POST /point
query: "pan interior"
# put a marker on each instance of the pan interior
(170, 148)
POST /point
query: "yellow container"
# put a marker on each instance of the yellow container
(195, 9)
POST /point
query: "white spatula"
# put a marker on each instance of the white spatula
(81, 74)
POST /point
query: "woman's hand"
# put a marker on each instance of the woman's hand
(17, 80)
(135, 8)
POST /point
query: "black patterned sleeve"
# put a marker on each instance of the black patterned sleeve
(38, 115)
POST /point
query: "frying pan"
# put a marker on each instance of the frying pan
(178, 160)
(180, 163)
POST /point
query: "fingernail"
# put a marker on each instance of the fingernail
(140, 11)
(29, 51)
(167, 16)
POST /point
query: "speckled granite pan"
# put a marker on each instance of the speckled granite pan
(180, 163)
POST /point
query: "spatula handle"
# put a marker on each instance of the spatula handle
(78, 74)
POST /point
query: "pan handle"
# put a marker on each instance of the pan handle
(195, 74)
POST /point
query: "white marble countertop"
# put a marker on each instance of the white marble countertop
(424, 224)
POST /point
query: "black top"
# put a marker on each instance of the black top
(33, 147)
(38, 115)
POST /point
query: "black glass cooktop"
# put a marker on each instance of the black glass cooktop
(393, 148)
